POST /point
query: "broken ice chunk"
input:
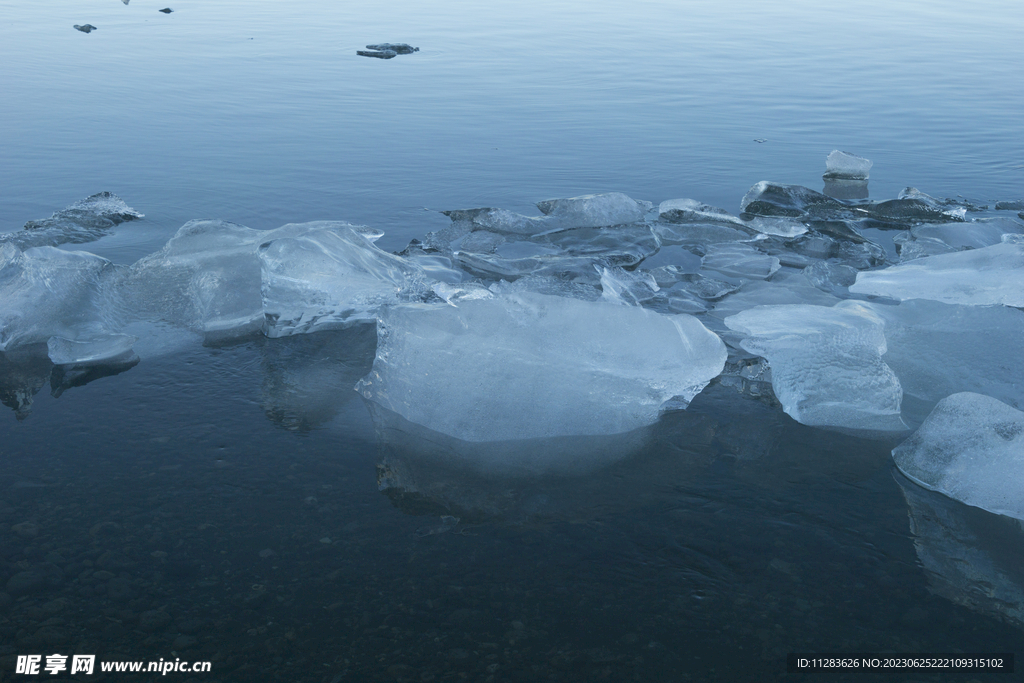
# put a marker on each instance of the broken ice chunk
(99, 349)
(208, 277)
(594, 210)
(991, 275)
(502, 220)
(398, 48)
(775, 199)
(329, 279)
(47, 292)
(622, 287)
(971, 448)
(939, 349)
(826, 363)
(1017, 205)
(912, 205)
(846, 165)
(84, 221)
(523, 366)
(379, 54)
(740, 261)
(692, 211)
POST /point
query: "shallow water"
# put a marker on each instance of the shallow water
(290, 534)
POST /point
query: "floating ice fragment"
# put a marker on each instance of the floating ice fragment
(84, 221)
(594, 210)
(1017, 205)
(991, 275)
(86, 28)
(165, 10)
(971, 448)
(398, 48)
(379, 54)
(524, 366)
(826, 363)
(846, 165)
(331, 278)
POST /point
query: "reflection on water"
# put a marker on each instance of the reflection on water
(161, 511)
(973, 557)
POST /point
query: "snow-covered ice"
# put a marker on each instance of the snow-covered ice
(527, 365)
(971, 448)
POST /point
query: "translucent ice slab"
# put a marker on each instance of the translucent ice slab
(527, 365)
(826, 363)
(970, 448)
(991, 275)
(846, 165)
(46, 292)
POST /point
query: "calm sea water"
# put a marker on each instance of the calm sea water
(239, 504)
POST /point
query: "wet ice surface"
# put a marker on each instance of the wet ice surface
(526, 376)
(970, 448)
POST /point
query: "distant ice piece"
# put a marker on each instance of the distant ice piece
(87, 28)
(46, 292)
(594, 210)
(329, 279)
(397, 48)
(971, 448)
(379, 54)
(827, 367)
(84, 221)
(523, 366)
(1016, 205)
(845, 165)
(991, 275)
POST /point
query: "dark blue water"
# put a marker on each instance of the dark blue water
(245, 492)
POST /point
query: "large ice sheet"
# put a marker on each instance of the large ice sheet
(594, 210)
(940, 349)
(970, 448)
(991, 275)
(526, 365)
(46, 292)
(827, 367)
(331, 278)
